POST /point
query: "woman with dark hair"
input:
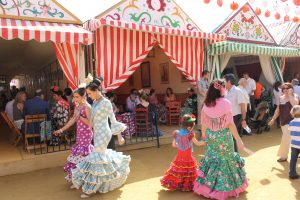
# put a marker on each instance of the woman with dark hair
(84, 134)
(170, 96)
(276, 97)
(59, 113)
(104, 169)
(221, 171)
(286, 103)
(160, 108)
(144, 99)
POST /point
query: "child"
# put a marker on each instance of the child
(84, 134)
(294, 127)
(183, 170)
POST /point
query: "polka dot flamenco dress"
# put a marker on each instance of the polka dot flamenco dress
(83, 146)
(104, 169)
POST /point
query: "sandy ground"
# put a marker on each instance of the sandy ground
(267, 178)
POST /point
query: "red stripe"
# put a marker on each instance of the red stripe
(112, 54)
(131, 46)
(57, 36)
(4, 30)
(105, 41)
(137, 42)
(172, 46)
(26, 31)
(124, 49)
(192, 50)
(201, 56)
(119, 50)
(36, 32)
(197, 58)
(144, 41)
(72, 59)
(181, 54)
(14, 29)
(167, 44)
(98, 50)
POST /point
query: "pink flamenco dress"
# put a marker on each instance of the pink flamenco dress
(221, 171)
(183, 170)
(83, 146)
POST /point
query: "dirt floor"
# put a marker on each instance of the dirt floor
(267, 178)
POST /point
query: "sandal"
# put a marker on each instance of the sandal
(281, 160)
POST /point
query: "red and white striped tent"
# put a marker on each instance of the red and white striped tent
(66, 36)
(122, 46)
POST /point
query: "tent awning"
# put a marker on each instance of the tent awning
(220, 48)
(44, 31)
(94, 24)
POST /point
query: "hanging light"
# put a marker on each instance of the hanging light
(267, 13)
(286, 18)
(206, 1)
(277, 16)
(246, 8)
(234, 6)
(257, 11)
(220, 3)
(296, 19)
(296, 2)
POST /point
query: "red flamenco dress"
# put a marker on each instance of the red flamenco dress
(183, 170)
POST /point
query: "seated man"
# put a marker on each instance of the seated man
(35, 106)
(132, 101)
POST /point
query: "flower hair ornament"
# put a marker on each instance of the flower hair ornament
(192, 119)
(220, 87)
(89, 79)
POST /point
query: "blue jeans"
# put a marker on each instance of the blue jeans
(293, 162)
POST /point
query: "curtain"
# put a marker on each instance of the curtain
(68, 56)
(277, 65)
(267, 68)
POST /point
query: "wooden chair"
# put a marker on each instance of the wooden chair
(142, 124)
(33, 120)
(173, 114)
(16, 133)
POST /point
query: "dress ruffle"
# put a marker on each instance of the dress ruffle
(101, 172)
(117, 127)
(211, 181)
(181, 175)
(78, 153)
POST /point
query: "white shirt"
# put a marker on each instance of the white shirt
(276, 96)
(251, 86)
(245, 95)
(297, 90)
(236, 97)
(9, 109)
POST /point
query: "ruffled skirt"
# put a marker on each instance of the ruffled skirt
(101, 172)
(78, 153)
(181, 174)
(221, 178)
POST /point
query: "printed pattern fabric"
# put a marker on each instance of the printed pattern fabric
(221, 172)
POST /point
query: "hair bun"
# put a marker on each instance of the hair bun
(96, 82)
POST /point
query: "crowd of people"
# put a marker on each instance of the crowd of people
(221, 111)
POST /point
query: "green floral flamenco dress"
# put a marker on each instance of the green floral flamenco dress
(221, 171)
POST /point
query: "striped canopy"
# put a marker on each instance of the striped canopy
(251, 49)
(94, 24)
(44, 31)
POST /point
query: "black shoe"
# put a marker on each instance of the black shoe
(248, 134)
(295, 176)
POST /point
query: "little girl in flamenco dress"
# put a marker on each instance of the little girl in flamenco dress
(183, 170)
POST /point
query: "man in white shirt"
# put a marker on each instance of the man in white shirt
(242, 85)
(238, 104)
(250, 88)
(202, 88)
(295, 83)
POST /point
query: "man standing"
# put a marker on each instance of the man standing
(238, 103)
(295, 83)
(250, 87)
(202, 88)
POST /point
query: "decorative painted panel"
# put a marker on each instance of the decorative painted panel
(39, 10)
(246, 27)
(293, 39)
(164, 13)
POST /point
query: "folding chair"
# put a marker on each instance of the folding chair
(173, 114)
(16, 133)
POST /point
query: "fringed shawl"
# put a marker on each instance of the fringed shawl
(183, 139)
(217, 117)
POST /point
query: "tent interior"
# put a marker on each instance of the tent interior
(239, 64)
(156, 72)
(291, 67)
(31, 64)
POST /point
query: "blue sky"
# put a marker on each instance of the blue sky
(206, 16)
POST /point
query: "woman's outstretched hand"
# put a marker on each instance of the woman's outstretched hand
(121, 140)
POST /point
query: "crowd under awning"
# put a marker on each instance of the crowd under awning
(67, 40)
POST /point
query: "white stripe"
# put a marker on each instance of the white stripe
(127, 47)
(121, 64)
(294, 128)
(102, 67)
(115, 54)
(109, 56)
